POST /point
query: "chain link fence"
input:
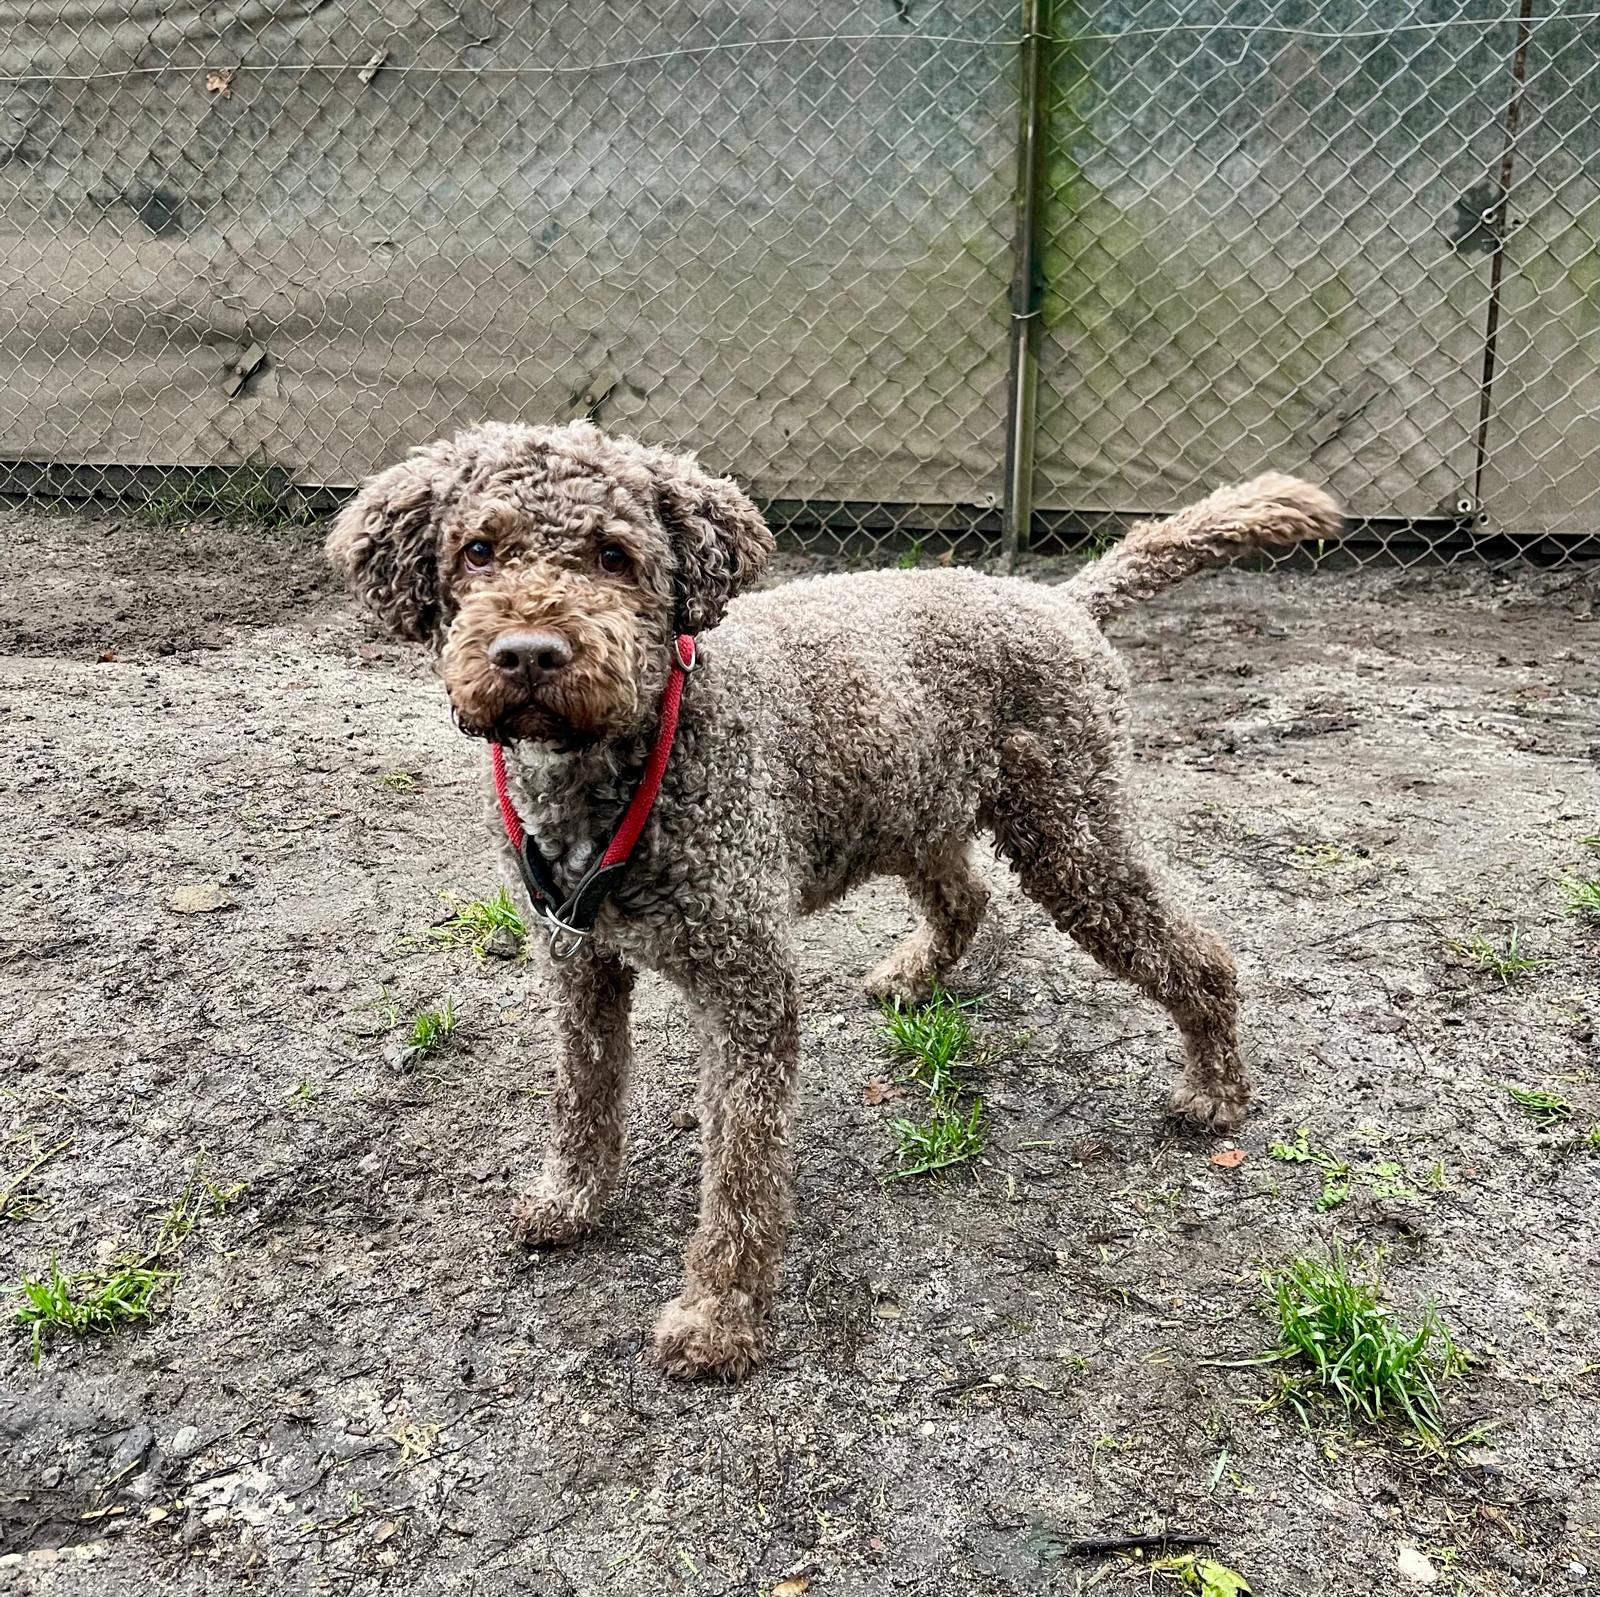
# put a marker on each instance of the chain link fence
(965, 276)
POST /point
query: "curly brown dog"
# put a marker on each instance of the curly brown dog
(834, 729)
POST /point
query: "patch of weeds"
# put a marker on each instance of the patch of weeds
(1389, 1180)
(1354, 1355)
(87, 1303)
(933, 1039)
(18, 1199)
(1545, 1109)
(1583, 897)
(260, 495)
(429, 1031)
(399, 781)
(947, 1137)
(475, 924)
(304, 1095)
(200, 1199)
(911, 557)
(1591, 1138)
(1508, 963)
(1335, 1172)
(1203, 1575)
(95, 1301)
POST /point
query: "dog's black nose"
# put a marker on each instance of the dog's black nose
(533, 656)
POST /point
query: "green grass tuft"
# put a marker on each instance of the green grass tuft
(1583, 897)
(84, 1304)
(932, 1040)
(431, 1029)
(1544, 1108)
(1508, 963)
(398, 781)
(474, 924)
(947, 1137)
(1354, 1355)
(93, 1301)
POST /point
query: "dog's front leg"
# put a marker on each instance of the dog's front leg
(746, 989)
(583, 1155)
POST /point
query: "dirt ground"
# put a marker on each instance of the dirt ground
(355, 1384)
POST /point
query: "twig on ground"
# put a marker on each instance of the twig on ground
(1151, 1542)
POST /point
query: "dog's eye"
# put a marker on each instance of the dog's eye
(614, 560)
(479, 554)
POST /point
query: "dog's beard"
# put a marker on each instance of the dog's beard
(524, 723)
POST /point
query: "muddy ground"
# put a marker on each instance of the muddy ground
(355, 1384)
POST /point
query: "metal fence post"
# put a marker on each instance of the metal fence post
(1026, 286)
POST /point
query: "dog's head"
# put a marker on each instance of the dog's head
(551, 567)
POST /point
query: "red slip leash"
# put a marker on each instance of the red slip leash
(572, 920)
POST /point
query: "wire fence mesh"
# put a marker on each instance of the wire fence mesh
(292, 239)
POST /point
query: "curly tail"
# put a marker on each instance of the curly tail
(1266, 512)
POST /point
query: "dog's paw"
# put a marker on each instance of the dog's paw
(901, 980)
(709, 1336)
(541, 1219)
(1217, 1108)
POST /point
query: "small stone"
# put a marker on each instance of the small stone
(185, 1443)
(683, 1120)
(503, 944)
(130, 1453)
(200, 898)
(1417, 1566)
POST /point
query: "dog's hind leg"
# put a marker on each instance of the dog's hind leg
(1063, 829)
(952, 898)
(586, 1110)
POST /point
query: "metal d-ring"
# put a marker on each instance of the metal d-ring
(565, 940)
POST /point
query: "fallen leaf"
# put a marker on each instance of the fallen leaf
(1216, 1580)
(885, 1305)
(220, 82)
(1202, 1575)
(108, 657)
(876, 1092)
(1228, 1159)
(1416, 1565)
(199, 898)
(386, 1529)
(797, 1584)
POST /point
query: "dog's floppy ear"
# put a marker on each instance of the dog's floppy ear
(386, 542)
(720, 542)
